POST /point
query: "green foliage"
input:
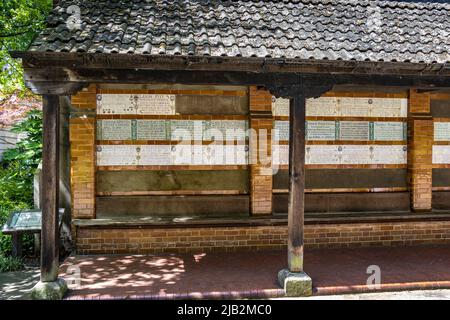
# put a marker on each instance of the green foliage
(8, 264)
(17, 172)
(29, 150)
(11, 200)
(20, 21)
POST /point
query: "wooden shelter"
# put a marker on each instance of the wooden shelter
(368, 84)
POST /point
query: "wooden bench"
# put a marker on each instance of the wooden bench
(22, 222)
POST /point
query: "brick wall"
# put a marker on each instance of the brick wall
(156, 240)
(261, 123)
(420, 144)
(82, 152)
(147, 239)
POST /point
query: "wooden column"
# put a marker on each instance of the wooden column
(296, 205)
(50, 190)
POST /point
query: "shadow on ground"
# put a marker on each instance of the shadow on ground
(17, 285)
(253, 274)
(201, 275)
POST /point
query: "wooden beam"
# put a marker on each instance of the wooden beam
(296, 200)
(44, 80)
(50, 190)
(250, 64)
(60, 88)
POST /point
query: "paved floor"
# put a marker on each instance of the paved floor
(233, 275)
(17, 285)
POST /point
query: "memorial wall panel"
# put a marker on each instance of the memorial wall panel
(346, 154)
(216, 140)
(172, 130)
(136, 104)
(161, 155)
(369, 137)
(347, 107)
(346, 130)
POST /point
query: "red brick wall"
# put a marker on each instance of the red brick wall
(147, 240)
(82, 152)
(155, 240)
(420, 153)
(261, 122)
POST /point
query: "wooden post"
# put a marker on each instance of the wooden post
(50, 190)
(16, 244)
(296, 204)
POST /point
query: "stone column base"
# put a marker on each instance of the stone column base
(54, 290)
(295, 284)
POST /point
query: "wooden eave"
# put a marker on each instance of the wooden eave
(45, 71)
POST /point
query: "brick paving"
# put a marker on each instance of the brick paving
(253, 274)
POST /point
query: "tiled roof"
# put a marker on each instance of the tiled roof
(405, 30)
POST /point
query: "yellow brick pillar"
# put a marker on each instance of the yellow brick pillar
(420, 144)
(261, 124)
(82, 153)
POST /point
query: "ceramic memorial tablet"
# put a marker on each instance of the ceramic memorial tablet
(280, 154)
(281, 131)
(321, 130)
(389, 107)
(114, 130)
(442, 131)
(182, 130)
(225, 130)
(322, 154)
(322, 107)
(385, 154)
(116, 104)
(355, 154)
(155, 155)
(181, 154)
(441, 154)
(158, 104)
(389, 131)
(117, 155)
(353, 107)
(280, 107)
(152, 130)
(354, 130)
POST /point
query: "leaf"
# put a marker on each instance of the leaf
(20, 21)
